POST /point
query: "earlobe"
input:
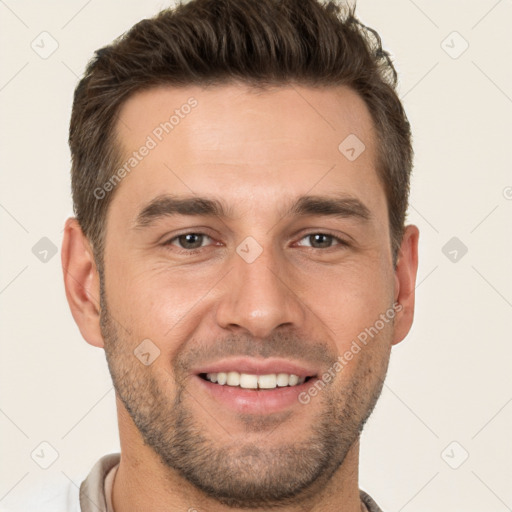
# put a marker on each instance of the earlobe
(405, 282)
(81, 282)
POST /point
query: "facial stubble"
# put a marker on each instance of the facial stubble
(237, 473)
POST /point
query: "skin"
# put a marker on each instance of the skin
(298, 299)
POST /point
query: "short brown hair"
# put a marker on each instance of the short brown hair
(257, 42)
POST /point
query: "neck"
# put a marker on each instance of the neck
(143, 482)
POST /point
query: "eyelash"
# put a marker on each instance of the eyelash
(181, 250)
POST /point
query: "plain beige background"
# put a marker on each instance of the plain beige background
(448, 394)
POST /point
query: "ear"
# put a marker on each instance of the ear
(81, 281)
(405, 282)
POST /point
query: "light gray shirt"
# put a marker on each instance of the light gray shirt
(96, 489)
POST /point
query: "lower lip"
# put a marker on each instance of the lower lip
(255, 401)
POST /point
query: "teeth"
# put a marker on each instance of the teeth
(267, 381)
(233, 379)
(250, 381)
(293, 380)
(282, 379)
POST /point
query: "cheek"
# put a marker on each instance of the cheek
(350, 300)
(157, 301)
(362, 361)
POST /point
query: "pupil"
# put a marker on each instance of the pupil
(191, 240)
(318, 238)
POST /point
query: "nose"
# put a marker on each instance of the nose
(258, 297)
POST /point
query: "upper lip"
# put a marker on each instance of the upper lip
(258, 367)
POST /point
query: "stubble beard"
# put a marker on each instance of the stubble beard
(240, 474)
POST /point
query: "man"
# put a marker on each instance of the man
(240, 181)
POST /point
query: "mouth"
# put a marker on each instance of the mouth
(256, 386)
(267, 381)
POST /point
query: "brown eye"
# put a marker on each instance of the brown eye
(188, 241)
(322, 241)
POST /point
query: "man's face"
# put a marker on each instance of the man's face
(258, 289)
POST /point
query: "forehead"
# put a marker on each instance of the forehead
(248, 145)
(325, 113)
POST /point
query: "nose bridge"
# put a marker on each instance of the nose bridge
(257, 296)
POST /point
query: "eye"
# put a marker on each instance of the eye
(188, 241)
(323, 240)
(191, 242)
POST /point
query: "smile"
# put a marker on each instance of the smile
(253, 381)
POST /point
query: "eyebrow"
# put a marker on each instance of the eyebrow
(168, 206)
